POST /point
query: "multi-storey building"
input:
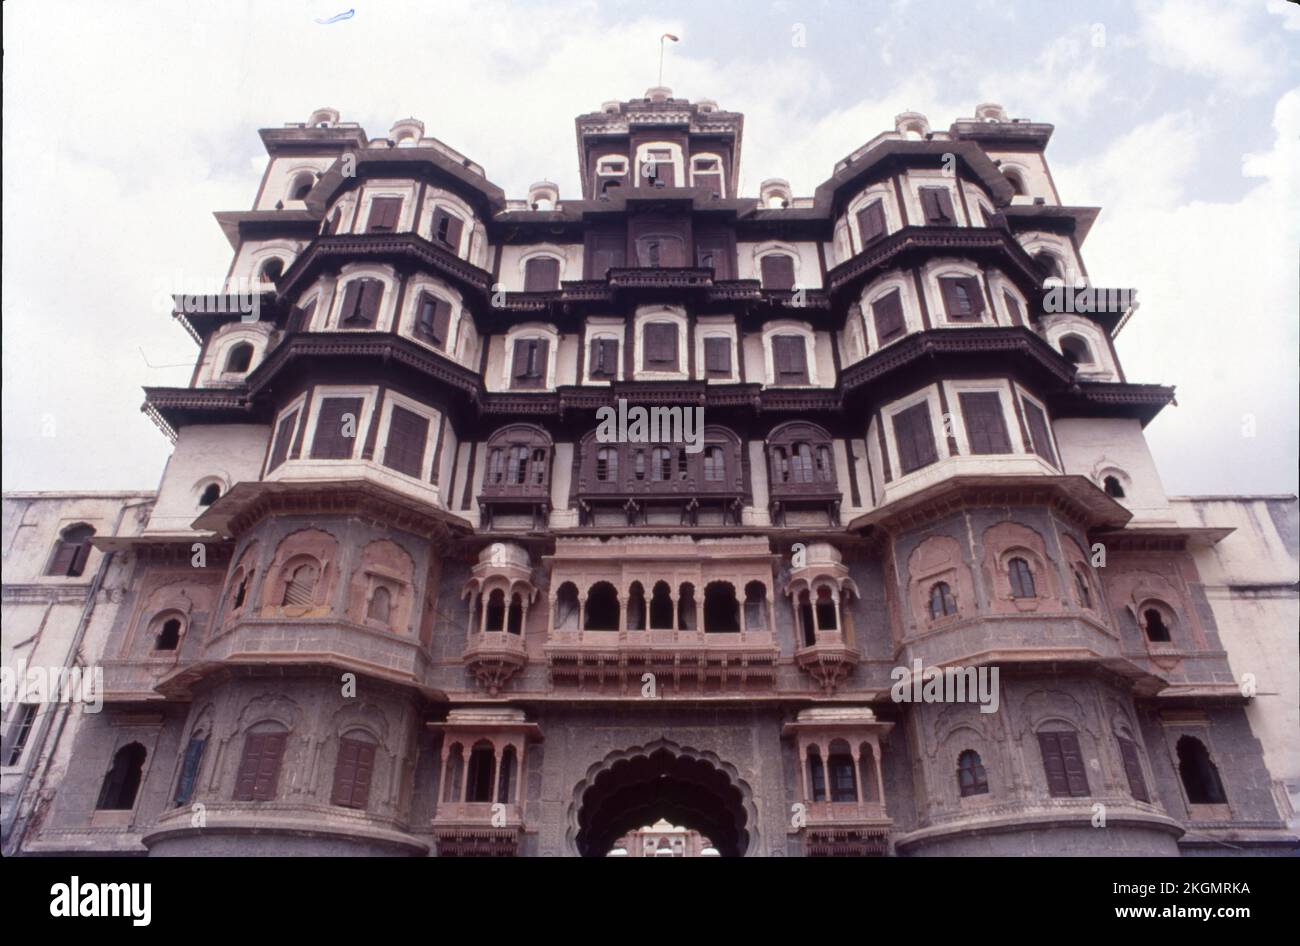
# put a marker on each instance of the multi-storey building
(399, 593)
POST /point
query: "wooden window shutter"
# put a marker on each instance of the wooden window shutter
(711, 181)
(963, 299)
(352, 773)
(408, 434)
(1049, 744)
(542, 274)
(300, 317)
(383, 214)
(717, 356)
(433, 320)
(887, 312)
(1075, 772)
(259, 768)
(604, 358)
(361, 303)
(986, 426)
(790, 358)
(778, 271)
(936, 204)
(915, 438)
(1037, 423)
(331, 441)
(283, 439)
(608, 251)
(871, 222)
(449, 229)
(661, 345)
(539, 362)
(332, 224)
(522, 357)
(1137, 783)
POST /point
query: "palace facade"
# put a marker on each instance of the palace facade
(394, 596)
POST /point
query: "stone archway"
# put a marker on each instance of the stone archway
(633, 788)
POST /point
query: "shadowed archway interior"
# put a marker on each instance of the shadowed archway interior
(638, 791)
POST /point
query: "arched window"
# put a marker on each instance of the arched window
(827, 610)
(1022, 579)
(272, 270)
(942, 602)
(482, 761)
(971, 777)
(636, 607)
(721, 610)
(71, 552)
(1199, 773)
(241, 589)
(777, 270)
(211, 493)
(300, 589)
(1050, 264)
(661, 607)
(381, 605)
(1076, 350)
(1016, 181)
(686, 607)
(1083, 588)
(302, 185)
(1156, 628)
(755, 606)
(239, 358)
(601, 612)
(122, 781)
(844, 786)
(542, 274)
(169, 637)
(1114, 488)
(495, 615)
(566, 607)
(515, 615)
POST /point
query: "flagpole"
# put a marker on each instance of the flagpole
(661, 55)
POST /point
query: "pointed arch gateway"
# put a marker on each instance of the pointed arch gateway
(635, 787)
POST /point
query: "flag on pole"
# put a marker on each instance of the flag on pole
(669, 36)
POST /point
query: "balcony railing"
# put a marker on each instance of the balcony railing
(493, 657)
(682, 659)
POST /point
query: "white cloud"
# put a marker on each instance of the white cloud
(1218, 291)
(1212, 38)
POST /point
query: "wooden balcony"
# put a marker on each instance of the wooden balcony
(493, 657)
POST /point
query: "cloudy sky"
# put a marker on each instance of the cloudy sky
(126, 125)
